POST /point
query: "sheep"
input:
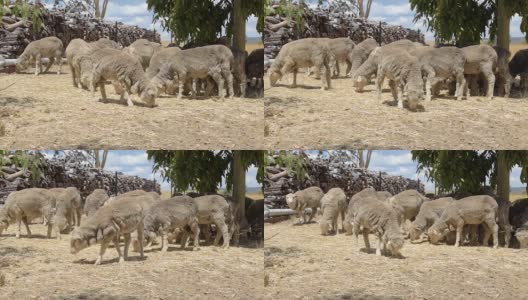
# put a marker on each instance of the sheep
(341, 48)
(68, 203)
(48, 47)
(405, 75)
(430, 212)
(333, 203)
(301, 54)
(481, 209)
(239, 71)
(376, 217)
(255, 70)
(410, 201)
(214, 209)
(25, 205)
(165, 216)
(300, 200)
(122, 68)
(143, 50)
(158, 60)
(383, 195)
(94, 201)
(368, 194)
(109, 222)
(360, 53)
(440, 64)
(481, 59)
(106, 43)
(519, 66)
(76, 48)
(504, 78)
(519, 220)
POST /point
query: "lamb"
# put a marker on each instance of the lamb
(109, 222)
(481, 59)
(165, 216)
(300, 200)
(94, 201)
(122, 68)
(379, 218)
(519, 66)
(302, 53)
(519, 220)
(361, 53)
(341, 49)
(143, 50)
(333, 203)
(470, 210)
(405, 75)
(429, 213)
(440, 64)
(25, 205)
(48, 47)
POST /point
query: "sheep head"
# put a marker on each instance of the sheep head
(291, 200)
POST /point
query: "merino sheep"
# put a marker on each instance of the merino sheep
(143, 50)
(25, 205)
(300, 200)
(410, 201)
(341, 49)
(94, 201)
(48, 47)
(440, 64)
(303, 53)
(430, 212)
(361, 53)
(481, 209)
(122, 68)
(110, 222)
(366, 194)
(379, 218)
(165, 216)
(158, 60)
(519, 221)
(333, 203)
(519, 66)
(106, 43)
(383, 195)
(68, 209)
(214, 209)
(481, 59)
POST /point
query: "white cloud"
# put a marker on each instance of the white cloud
(391, 9)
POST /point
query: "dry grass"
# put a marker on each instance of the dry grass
(251, 47)
(47, 112)
(255, 195)
(516, 47)
(302, 264)
(516, 196)
(306, 117)
(39, 268)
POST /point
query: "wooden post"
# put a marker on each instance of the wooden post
(116, 33)
(380, 34)
(115, 183)
(379, 182)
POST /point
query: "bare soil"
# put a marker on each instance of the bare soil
(306, 117)
(40, 268)
(300, 263)
(47, 112)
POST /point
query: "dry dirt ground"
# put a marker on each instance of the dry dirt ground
(40, 268)
(300, 263)
(306, 117)
(47, 112)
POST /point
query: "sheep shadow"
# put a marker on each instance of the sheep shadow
(115, 260)
(384, 253)
(394, 103)
(12, 101)
(33, 236)
(299, 86)
(124, 103)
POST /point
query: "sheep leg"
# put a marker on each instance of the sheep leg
(217, 77)
(492, 225)
(58, 60)
(490, 77)
(102, 250)
(349, 67)
(400, 96)
(103, 91)
(379, 83)
(48, 235)
(355, 231)
(378, 246)
(458, 234)
(19, 222)
(394, 89)
(74, 76)
(328, 75)
(294, 84)
(366, 239)
(50, 63)
(195, 228)
(118, 248)
(312, 214)
(337, 71)
(79, 216)
(507, 235)
(226, 72)
(165, 242)
(129, 98)
(38, 64)
(25, 221)
(225, 234)
(141, 238)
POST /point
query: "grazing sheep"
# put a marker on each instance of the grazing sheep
(366, 194)
(519, 66)
(106, 43)
(410, 201)
(255, 70)
(383, 195)
(481, 59)
(158, 60)
(430, 212)
(504, 78)
(143, 50)
(25, 205)
(361, 53)
(405, 75)
(333, 203)
(214, 209)
(300, 200)
(122, 68)
(48, 47)
(481, 209)
(68, 209)
(108, 223)
(440, 64)
(519, 221)
(76, 48)
(166, 216)
(303, 53)
(341, 48)
(379, 218)
(94, 201)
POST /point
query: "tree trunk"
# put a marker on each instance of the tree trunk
(97, 161)
(105, 4)
(105, 155)
(239, 26)
(503, 175)
(367, 13)
(360, 8)
(97, 11)
(361, 159)
(503, 24)
(239, 188)
(369, 155)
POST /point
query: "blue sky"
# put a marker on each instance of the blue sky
(134, 12)
(131, 162)
(398, 12)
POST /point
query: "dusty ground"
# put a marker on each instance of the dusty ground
(39, 268)
(47, 112)
(302, 264)
(306, 117)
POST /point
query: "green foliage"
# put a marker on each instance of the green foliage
(27, 160)
(202, 171)
(465, 171)
(465, 21)
(293, 162)
(202, 20)
(29, 10)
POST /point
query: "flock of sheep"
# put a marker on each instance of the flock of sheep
(443, 219)
(137, 216)
(415, 71)
(146, 68)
